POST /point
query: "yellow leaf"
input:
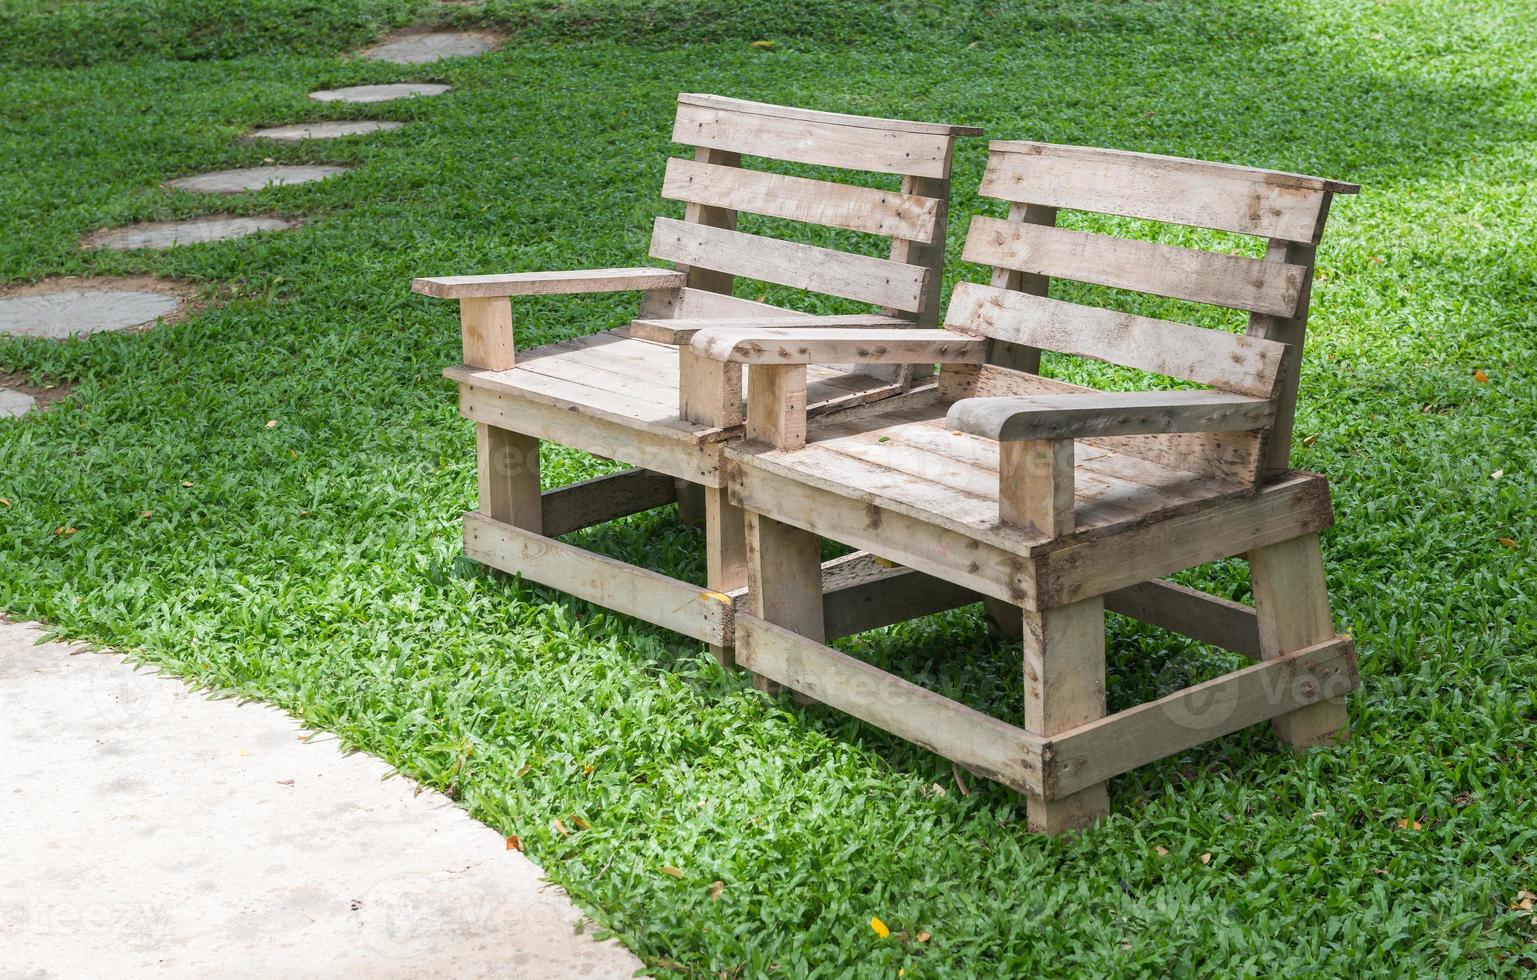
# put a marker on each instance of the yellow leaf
(4, 502)
(147, 514)
(1407, 824)
(879, 927)
(186, 483)
(1480, 376)
(1496, 474)
(1509, 543)
(762, 45)
(1206, 858)
(668, 869)
(924, 937)
(580, 823)
(716, 887)
(561, 828)
(514, 842)
(272, 423)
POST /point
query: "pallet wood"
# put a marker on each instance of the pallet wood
(688, 302)
(1214, 278)
(678, 331)
(507, 473)
(1280, 687)
(1232, 362)
(676, 605)
(1109, 413)
(820, 345)
(1291, 603)
(1292, 332)
(784, 582)
(1198, 615)
(1007, 354)
(867, 209)
(1064, 685)
(485, 331)
(1035, 485)
(776, 405)
(820, 141)
(979, 742)
(547, 283)
(603, 499)
(1267, 204)
(823, 270)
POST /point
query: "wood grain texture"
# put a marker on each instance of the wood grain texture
(818, 115)
(546, 283)
(828, 345)
(823, 270)
(1233, 281)
(485, 332)
(866, 209)
(602, 499)
(1064, 687)
(1108, 413)
(679, 331)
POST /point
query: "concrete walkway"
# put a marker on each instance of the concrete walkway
(146, 831)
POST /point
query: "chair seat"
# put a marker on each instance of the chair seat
(634, 382)
(900, 456)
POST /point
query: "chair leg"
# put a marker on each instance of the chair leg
(1064, 652)
(507, 465)
(784, 580)
(691, 505)
(1291, 600)
(725, 537)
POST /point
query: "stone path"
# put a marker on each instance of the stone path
(152, 832)
(78, 312)
(255, 178)
(364, 94)
(14, 404)
(322, 130)
(165, 234)
(421, 49)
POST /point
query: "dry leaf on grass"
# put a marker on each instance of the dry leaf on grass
(716, 887)
(879, 927)
(671, 871)
(514, 842)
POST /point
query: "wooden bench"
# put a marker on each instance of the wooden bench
(1054, 502)
(642, 397)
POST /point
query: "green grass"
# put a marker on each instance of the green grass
(315, 563)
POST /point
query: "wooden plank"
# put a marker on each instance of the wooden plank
(1108, 413)
(1190, 612)
(827, 345)
(1234, 281)
(861, 592)
(1091, 753)
(1064, 687)
(867, 209)
(815, 141)
(647, 595)
(679, 331)
(664, 304)
(1018, 356)
(823, 270)
(604, 498)
(776, 405)
(709, 391)
(784, 582)
(1035, 485)
(929, 255)
(649, 448)
(703, 279)
(485, 332)
(725, 541)
(507, 474)
(862, 523)
(818, 115)
(1187, 192)
(1291, 331)
(1296, 505)
(546, 283)
(979, 742)
(1232, 362)
(1291, 603)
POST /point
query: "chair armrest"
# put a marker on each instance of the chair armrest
(1071, 416)
(679, 331)
(548, 283)
(758, 346)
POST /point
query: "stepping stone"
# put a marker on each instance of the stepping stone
(322, 130)
(378, 93)
(164, 234)
(14, 404)
(78, 312)
(253, 178)
(419, 49)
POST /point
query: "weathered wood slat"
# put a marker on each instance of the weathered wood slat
(1190, 612)
(545, 283)
(815, 141)
(604, 498)
(1094, 752)
(755, 344)
(681, 330)
(1233, 281)
(979, 742)
(823, 270)
(822, 116)
(1231, 362)
(661, 304)
(867, 209)
(628, 589)
(1187, 192)
(1108, 413)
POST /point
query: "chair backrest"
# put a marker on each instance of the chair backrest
(1027, 250)
(715, 186)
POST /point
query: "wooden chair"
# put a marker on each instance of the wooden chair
(1054, 502)
(640, 396)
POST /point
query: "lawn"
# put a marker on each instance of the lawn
(265, 497)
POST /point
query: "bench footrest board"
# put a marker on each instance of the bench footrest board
(672, 603)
